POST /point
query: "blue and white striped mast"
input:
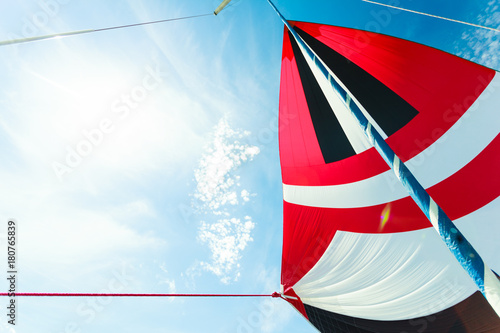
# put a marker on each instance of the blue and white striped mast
(467, 256)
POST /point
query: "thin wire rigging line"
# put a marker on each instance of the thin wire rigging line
(80, 32)
(435, 16)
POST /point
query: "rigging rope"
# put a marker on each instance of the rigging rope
(80, 32)
(274, 295)
(435, 16)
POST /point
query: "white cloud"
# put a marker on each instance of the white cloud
(218, 192)
(215, 180)
(245, 195)
(226, 238)
(171, 285)
(484, 45)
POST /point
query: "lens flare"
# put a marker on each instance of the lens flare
(384, 217)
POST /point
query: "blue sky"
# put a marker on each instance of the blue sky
(146, 159)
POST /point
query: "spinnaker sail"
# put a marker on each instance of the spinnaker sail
(358, 253)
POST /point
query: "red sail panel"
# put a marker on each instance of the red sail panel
(439, 86)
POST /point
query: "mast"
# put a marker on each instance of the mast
(467, 256)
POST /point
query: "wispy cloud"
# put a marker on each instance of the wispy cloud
(73, 227)
(164, 279)
(191, 274)
(276, 314)
(273, 314)
(484, 45)
(218, 192)
(5, 328)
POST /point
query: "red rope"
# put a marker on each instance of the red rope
(136, 295)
